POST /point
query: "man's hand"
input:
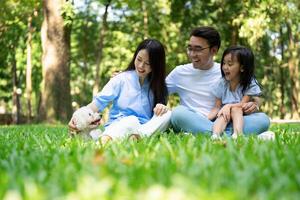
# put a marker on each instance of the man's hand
(160, 109)
(250, 107)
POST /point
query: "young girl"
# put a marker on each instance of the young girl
(138, 96)
(234, 89)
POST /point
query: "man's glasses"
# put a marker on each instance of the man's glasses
(196, 50)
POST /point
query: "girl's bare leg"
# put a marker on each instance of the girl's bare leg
(219, 126)
(238, 121)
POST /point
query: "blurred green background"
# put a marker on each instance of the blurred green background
(94, 38)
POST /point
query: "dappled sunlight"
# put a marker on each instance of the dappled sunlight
(91, 188)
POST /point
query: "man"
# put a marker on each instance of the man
(193, 83)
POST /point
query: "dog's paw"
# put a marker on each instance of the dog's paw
(95, 134)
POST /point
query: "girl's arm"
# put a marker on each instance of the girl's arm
(213, 113)
(245, 100)
(254, 91)
(247, 105)
(226, 110)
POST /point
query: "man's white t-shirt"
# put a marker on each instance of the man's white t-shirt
(194, 86)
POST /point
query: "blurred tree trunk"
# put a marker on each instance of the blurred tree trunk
(28, 69)
(234, 35)
(282, 77)
(56, 97)
(100, 48)
(85, 47)
(293, 63)
(16, 111)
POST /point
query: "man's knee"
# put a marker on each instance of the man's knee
(178, 113)
(177, 117)
(264, 121)
(256, 123)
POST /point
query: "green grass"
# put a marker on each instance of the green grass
(42, 162)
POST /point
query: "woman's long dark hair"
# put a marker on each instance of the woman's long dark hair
(157, 60)
(246, 59)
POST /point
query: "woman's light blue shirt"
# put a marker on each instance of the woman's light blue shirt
(128, 97)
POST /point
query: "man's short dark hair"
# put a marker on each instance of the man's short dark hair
(209, 33)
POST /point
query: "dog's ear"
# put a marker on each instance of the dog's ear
(82, 122)
(79, 118)
(76, 121)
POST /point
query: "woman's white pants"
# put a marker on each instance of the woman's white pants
(131, 125)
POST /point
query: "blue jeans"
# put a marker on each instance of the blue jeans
(186, 120)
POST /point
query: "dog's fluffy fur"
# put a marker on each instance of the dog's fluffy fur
(86, 121)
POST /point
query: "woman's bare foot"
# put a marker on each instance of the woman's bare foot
(134, 137)
(105, 139)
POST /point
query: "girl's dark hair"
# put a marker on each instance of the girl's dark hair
(246, 59)
(157, 60)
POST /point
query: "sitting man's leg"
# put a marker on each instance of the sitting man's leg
(183, 119)
(256, 123)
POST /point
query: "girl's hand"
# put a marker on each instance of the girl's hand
(225, 112)
(160, 109)
(250, 107)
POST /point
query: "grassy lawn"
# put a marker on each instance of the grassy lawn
(42, 162)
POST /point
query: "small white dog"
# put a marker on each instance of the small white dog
(86, 121)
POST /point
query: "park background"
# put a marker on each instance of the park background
(55, 54)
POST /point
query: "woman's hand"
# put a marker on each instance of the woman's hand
(160, 109)
(225, 112)
(72, 126)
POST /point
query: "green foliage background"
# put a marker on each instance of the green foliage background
(264, 25)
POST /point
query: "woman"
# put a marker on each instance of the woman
(138, 96)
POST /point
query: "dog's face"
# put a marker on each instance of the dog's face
(85, 119)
